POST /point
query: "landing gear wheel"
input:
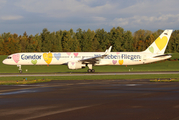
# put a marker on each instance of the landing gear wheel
(20, 71)
(89, 70)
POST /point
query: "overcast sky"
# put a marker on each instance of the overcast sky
(18, 16)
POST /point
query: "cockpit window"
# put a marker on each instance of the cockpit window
(9, 57)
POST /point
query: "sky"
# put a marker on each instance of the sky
(32, 16)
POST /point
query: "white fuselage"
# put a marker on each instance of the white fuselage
(59, 58)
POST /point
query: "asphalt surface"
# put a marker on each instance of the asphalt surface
(91, 100)
(87, 74)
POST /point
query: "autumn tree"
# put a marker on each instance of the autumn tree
(46, 41)
(140, 39)
(128, 42)
(102, 38)
(84, 41)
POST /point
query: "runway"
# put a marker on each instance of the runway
(86, 74)
(91, 100)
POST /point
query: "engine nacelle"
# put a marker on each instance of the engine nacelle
(75, 65)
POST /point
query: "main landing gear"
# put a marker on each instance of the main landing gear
(90, 70)
(20, 70)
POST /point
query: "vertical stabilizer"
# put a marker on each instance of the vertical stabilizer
(160, 44)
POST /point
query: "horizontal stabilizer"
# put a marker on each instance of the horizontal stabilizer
(162, 55)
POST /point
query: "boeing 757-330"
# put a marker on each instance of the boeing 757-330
(78, 60)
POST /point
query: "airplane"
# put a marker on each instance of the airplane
(78, 60)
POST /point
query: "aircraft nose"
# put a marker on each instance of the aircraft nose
(4, 61)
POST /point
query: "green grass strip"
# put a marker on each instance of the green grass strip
(30, 80)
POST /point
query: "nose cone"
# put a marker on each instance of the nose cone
(4, 61)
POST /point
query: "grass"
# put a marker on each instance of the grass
(175, 56)
(165, 80)
(19, 82)
(30, 80)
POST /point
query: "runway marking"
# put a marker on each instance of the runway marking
(132, 85)
(23, 111)
(17, 89)
(18, 92)
(56, 112)
(29, 87)
(32, 111)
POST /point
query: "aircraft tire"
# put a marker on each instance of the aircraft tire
(89, 71)
(92, 70)
(20, 71)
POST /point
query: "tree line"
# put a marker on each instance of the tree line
(84, 41)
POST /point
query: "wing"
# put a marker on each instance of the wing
(94, 60)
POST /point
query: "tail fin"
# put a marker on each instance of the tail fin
(160, 44)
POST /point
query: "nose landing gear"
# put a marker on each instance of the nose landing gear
(20, 70)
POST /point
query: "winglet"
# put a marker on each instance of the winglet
(108, 50)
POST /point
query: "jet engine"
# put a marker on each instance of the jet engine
(75, 65)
